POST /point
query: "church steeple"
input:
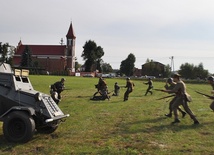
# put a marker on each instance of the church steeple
(70, 34)
(71, 48)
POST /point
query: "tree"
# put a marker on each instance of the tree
(6, 52)
(106, 68)
(92, 55)
(26, 60)
(127, 65)
(189, 71)
(200, 72)
(186, 70)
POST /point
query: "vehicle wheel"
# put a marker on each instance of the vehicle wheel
(49, 128)
(18, 127)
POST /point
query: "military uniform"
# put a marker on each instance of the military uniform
(211, 81)
(170, 87)
(130, 87)
(102, 89)
(182, 97)
(116, 89)
(57, 87)
(150, 83)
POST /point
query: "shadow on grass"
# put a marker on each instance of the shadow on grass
(157, 125)
(88, 97)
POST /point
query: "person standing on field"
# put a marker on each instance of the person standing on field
(130, 86)
(182, 97)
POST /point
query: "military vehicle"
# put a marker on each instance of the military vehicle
(24, 110)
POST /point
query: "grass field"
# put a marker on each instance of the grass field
(114, 127)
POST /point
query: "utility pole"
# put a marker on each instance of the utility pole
(172, 63)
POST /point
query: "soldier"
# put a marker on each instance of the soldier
(182, 97)
(170, 87)
(150, 83)
(102, 89)
(99, 85)
(57, 87)
(211, 82)
(130, 86)
(116, 89)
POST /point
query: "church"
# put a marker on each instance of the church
(52, 59)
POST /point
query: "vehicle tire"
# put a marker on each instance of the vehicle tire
(49, 128)
(18, 127)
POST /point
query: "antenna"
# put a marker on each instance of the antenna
(172, 63)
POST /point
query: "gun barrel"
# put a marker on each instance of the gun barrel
(211, 97)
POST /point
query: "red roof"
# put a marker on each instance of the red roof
(70, 33)
(43, 49)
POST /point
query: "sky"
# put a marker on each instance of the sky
(150, 29)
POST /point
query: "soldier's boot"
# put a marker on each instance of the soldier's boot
(168, 115)
(176, 121)
(183, 114)
(196, 122)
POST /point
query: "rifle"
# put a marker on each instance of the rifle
(210, 97)
(165, 97)
(67, 89)
(158, 89)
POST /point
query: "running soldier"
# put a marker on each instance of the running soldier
(130, 86)
(170, 84)
(149, 89)
(182, 97)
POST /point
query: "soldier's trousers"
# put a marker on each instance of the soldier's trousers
(126, 95)
(182, 101)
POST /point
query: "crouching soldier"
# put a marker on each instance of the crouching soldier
(116, 89)
(56, 90)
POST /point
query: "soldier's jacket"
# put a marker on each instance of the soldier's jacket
(170, 86)
(58, 86)
(180, 89)
(150, 83)
(129, 85)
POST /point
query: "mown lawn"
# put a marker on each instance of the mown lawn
(114, 127)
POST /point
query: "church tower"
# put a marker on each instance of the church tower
(70, 50)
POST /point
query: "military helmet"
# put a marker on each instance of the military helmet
(169, 80)
(211, 78)
(127, 78)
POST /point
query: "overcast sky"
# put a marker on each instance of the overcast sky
(153, 29)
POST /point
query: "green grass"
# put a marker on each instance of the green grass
(114, 127)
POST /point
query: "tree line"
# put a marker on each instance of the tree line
(92, 55)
